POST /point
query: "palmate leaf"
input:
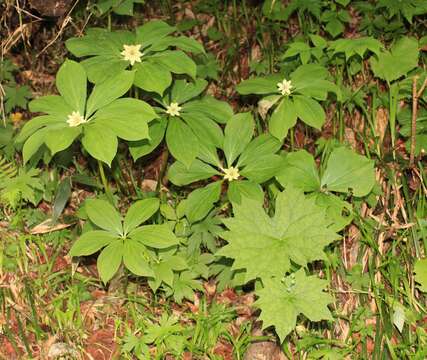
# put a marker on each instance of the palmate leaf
(282, 301)
(393, 64)
(265, 246)
(22, 186)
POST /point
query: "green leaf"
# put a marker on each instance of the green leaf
(153, 31)
(91, 242)
(339, 212)
(259, 169)
(156, 130)
(420, 270)
(182, 142)
(152, 77)
(100, 142)
(60, 139)
(261, 146)
(155, 236)
(104, 215)
(347, 170)
(71, 82)
(296, 294)
(359, 46)
(237, 190)
(282, 119)
(207, 130)
(217, 110)
(16, 96)
(181, 42)
(134, 260)
(309, 111)
(109, 260)
(127, 118)
(238, 133)
(183, 90)
(180, 175)
(261, 86)
(139, 212)
(52, 104)
(107, 91)
(100, 68)
(201, 201)
(21, 187)
(299, 170)
(265, 246)
(33, 143)
(393, 64)
(35, 124)
(177, 62)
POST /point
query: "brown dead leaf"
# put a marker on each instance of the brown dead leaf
(381, 122)
(225, 350)
(264, 350)
(101, 345)
(47, 227)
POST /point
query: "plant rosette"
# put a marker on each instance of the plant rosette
(249, 162)
(98, 119)
(147, 52)
(186, 121)
(125, 240)
(293, 97)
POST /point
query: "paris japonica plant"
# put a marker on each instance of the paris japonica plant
(151, 51)
(96, 120)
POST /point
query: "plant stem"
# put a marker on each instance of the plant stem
(105, 182)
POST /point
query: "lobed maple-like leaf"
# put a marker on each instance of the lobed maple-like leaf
(265, 246)
(281, 301)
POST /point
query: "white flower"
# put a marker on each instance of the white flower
(230, 174)
(75, 119)
(173, 109)
(285, 87)
(131, 53)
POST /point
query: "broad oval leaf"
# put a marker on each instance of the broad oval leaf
(261, 86)
(91, 242)
(201, 201)
(134, 259)
(182, 142)
(100, 142)
(109, 90)
(282, 119)
(155, 236)
(238, 133)
(71, 81)
(139, 212)
(110, 260)
(104, 215)
(299, 170)
(309, 111)
(178, 173)
(347, 170)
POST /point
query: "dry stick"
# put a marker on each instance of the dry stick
(416, 94)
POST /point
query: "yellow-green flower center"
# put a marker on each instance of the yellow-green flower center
(285, 87)
(75, 119)
(132, 53)
(230, 174)
(173, 109)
